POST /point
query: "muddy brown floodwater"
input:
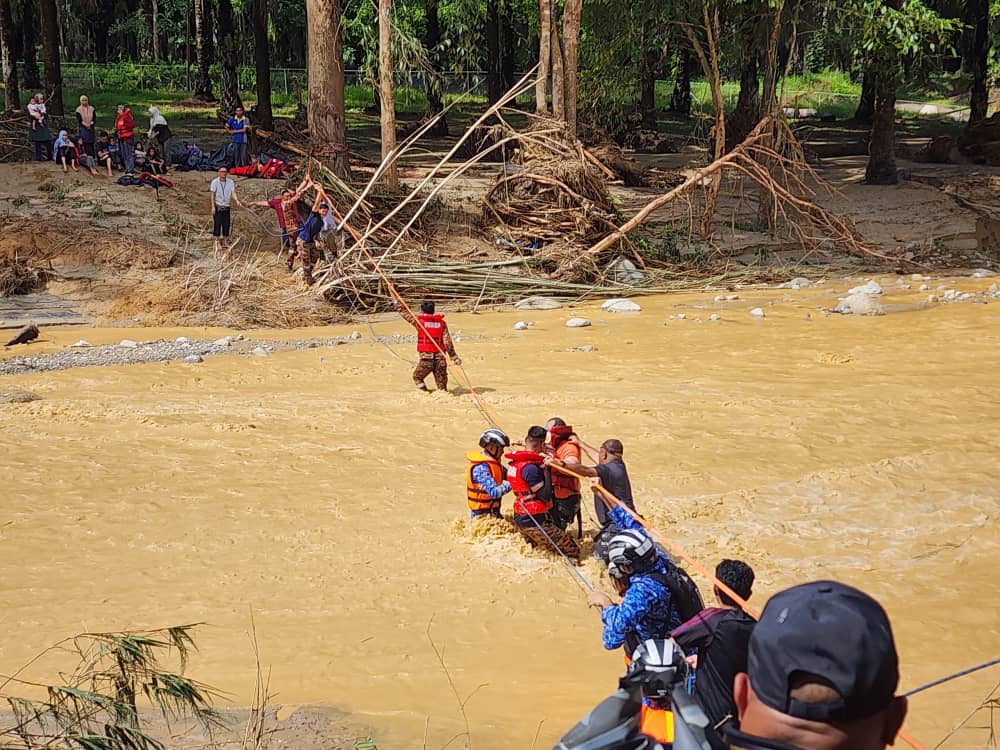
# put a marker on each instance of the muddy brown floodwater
(316, 488)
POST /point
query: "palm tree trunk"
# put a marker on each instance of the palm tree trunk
(50, 57)
(979, 99)
(647, 80)
(558, 74)
(881, 169)
(544, 54)
(12, 94)
(203, 50)
(227, 59)
(262, 62)
(387, 90)
(327, 125)
(866, 104)
(29, 41)
(680, 99)
(494, 80)
(571, 46)
(435, 90)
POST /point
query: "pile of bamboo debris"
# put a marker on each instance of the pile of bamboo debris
(14, 145)
(18, 277)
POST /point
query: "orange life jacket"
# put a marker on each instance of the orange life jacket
(657, 723)
(479, 499)
(429, 332)
(563, 485)
(526, 502)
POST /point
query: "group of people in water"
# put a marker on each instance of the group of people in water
(818, 671)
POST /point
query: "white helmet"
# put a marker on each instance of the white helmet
(633, 548)
(494, 435)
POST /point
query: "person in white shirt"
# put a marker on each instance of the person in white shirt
(223, 192)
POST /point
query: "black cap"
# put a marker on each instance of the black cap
(830, 630)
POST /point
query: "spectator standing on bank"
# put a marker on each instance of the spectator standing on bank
(125, 129)
(223, 192)
(86, 117)
(39, 133)
(159, 131)
(238, 126)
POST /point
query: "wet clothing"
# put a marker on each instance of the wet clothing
(485, 485)
(125, 128)
(721, 638)
(431, 361)
(614, 478)
(647, 609)
(309, 257)
(529, 529)
(533, 508)
(565, 489)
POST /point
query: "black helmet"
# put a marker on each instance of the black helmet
(494, 435)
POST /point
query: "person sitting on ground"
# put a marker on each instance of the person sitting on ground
(90, 162)
(718, 638)
(822, 673)
(565, 488)
(532, 485)
(613, 476)
(154, 162)
(308, 232)
(286, 207)
(641, 577)
(485, 479)
(105, 157)
(65, 152)
(433, 342)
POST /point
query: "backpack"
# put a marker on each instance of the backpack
(219, 158)
(684, 593)
(129, 180)
(178, 154)
(193, 158)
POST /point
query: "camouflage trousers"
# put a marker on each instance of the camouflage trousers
(431, 363)
(564, 541)
(309, 255)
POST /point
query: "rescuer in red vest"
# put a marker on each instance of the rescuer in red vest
(433, 341)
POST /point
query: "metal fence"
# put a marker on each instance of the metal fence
(174, 77)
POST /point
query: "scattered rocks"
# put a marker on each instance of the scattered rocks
(871, 288)
(933, 299)
(714, 316)
(983, 273)
(623, 271)
(859, 304)
(521, 326)
(260, 351)
(182, 340)
(355, 335)
(81, 344)
(924, 287)
(726, 297)
(17, 396)
(127, 344)
(681, 316)
(584, 348)
(799, 282)
(577, 323)
(758, 312)
(538, 303)
(621, 305)
(953, 295)
(194, 359)
(224, 342)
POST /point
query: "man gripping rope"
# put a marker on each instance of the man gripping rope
(485, 479)
(433, 338)
(532, 485)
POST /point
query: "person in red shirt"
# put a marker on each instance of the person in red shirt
(125, 129)
(565, 489)
(286, 208)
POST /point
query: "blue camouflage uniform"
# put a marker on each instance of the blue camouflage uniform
(646, 609)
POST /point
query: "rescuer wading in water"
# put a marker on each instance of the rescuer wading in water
(433, 338)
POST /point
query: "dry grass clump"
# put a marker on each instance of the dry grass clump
(18, 277)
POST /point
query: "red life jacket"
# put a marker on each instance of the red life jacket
(124, 124)
(430, 332)
(526, 503)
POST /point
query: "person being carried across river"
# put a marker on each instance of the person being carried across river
(613, 476)
(532, 485)
(565, 488)
(717, 639)
(485, 478)
(433, 342)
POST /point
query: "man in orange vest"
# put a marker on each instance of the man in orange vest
(565, 489)
(433, 342)
(485, 478)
